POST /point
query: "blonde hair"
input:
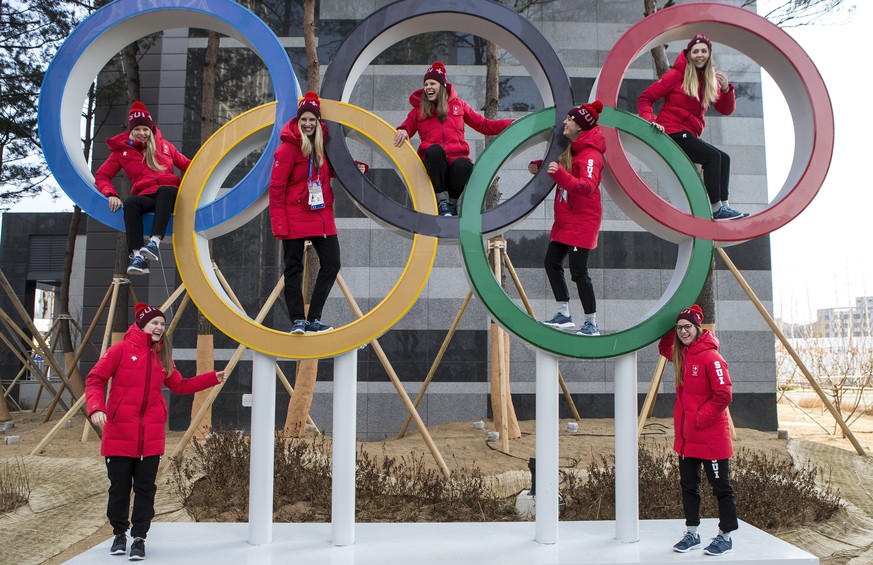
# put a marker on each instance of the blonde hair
(167, 354)
(427, 107)
(566, 158)
(315, 145)
(150, 154)
(691, 84)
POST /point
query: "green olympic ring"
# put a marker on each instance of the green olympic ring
(692, 264)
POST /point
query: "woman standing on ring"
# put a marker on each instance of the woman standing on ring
(438, 115)
(578, 213)
(688, 89)
(702, 430)
(301, 208)
(148, 161)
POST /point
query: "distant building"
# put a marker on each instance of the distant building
(852, 321)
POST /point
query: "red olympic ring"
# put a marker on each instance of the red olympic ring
(794, 73)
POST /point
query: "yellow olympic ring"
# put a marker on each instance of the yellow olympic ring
(192, 251)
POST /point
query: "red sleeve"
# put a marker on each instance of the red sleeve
(655, 92)
(587, 169)
(282, 161)
(180, 385)
(95, 382)
(665, 346)
(410, 124)
(482, 124)
(104, 175)
(720, 381)
(727, 101)
(180, 161)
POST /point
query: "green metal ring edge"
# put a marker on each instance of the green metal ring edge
(518, 322)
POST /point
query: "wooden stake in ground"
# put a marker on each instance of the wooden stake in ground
(307, 369)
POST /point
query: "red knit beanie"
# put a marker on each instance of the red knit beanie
(139, 116)
(437, 72)
(309, 103)
(586, 115)
(699, 38)
(144, 313)
(694, 314)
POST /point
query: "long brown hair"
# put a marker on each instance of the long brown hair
(166, 353)
(426, 107)
(149, 154)
(316, 145)
(691, 84)
(679, 355)
(566, 158)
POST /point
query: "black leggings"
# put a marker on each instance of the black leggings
(328, 251)
(716, 164)
(445, 177)
(161, 203)
(719, 475)
(578, 272)
(126, 473)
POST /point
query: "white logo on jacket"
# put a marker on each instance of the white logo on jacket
(719, 372)
(133, 357)
(694, 370)
(589, 168)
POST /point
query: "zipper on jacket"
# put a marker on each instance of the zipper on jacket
(142, 408)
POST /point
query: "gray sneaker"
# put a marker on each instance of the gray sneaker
(137, 550)
(560, 322)
(299, 327)
(588, 328)
(316, 326)
(139, 265)
(719, 546)
(688, 542)
(119, 545)
(150, 250)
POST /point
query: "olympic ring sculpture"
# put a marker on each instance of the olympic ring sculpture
(192, 249)
(691, 226)
(794, 73)
(106, 32)
(407, 18)
(692, 266)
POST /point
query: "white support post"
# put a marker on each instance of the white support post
(262, 449)
(627, 495)
(547, 448)
(345, 382)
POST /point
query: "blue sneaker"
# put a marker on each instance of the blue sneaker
(150, 250)
(139, 265)
(688, 542)
(725, 213)
(299, 327)
(719, 546)
(444, 208)
(316, 326)
(588, 328)
(561, 322)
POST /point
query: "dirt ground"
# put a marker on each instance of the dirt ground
(68, 479)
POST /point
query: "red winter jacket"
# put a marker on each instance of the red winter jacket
(578, 210)
(450, 133)
(681, 112)
(128, 155)
(700, 419)
(290, 213)
(136, 411)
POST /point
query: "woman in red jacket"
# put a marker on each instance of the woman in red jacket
(702, 430)
(148, 160)
(688, 90)
(578, 213)
(133, 420)
(438, 116)
(301, 208)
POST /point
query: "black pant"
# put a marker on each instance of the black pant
(161, 203)
(328, 251)
(125, 472)
(578, 273)
(719, 476)
(445, 177)
(716, 164)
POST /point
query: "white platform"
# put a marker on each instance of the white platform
(444, 543)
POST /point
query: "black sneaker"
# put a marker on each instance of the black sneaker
(119, 545)
(139, 265)
(137, 550)
(316, 326)
(444, 208)
(150, 250)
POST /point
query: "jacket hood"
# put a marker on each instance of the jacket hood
(707, 340)
(590, 138)
(415, 97)
(681, 62)
(123, 141)
(291, 132)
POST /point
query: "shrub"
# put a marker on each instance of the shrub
(14, 486)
